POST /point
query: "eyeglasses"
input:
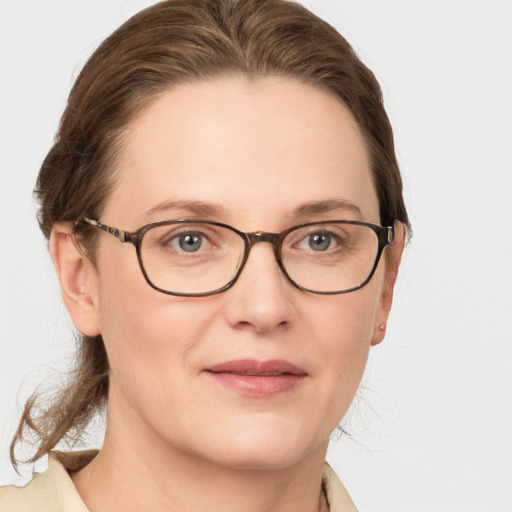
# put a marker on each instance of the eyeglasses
(194, 258)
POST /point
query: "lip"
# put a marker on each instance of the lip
(251, 377)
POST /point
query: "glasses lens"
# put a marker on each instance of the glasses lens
(330, 257)
(191, 257)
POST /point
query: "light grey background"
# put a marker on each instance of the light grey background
(433, 424)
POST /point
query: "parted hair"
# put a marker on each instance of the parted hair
(173, 42)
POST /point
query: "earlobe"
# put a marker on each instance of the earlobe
(77, 279)
(393, 259)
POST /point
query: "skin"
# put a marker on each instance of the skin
(176, 440)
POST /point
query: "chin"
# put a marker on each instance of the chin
(258, 461)
(266, 449)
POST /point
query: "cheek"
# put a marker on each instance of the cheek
(147, 334)
(343, 326)
(151, 342)
(346, 322)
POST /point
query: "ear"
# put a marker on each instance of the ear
(392, 262)
(77, 278)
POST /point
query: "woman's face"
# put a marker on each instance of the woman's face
(265, 155)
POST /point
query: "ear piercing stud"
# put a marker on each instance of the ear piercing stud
(382, 327)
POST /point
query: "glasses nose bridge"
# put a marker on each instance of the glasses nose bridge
(263, 236)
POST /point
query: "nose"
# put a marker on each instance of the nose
(260, 300)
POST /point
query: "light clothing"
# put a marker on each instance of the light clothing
(53, 491)
(337, 496)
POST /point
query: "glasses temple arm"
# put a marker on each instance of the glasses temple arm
(121, 235)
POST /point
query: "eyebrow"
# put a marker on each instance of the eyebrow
(198, 208)
(319, 207)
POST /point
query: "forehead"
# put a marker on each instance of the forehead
(258, 148)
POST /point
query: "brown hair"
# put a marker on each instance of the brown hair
(172, 42)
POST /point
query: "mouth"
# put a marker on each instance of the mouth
(256, 378)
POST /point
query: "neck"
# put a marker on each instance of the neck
(116, 481)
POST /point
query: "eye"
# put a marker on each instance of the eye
(319, 241)
(316, 239)
(187, 240)
(191, 241)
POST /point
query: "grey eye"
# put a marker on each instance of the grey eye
(190, 242)
(319, 241)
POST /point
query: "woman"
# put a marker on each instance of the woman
(244, 151)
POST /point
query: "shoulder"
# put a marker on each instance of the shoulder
(51, 491)
(337, 496)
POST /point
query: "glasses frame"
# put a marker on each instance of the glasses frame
(385, 236)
